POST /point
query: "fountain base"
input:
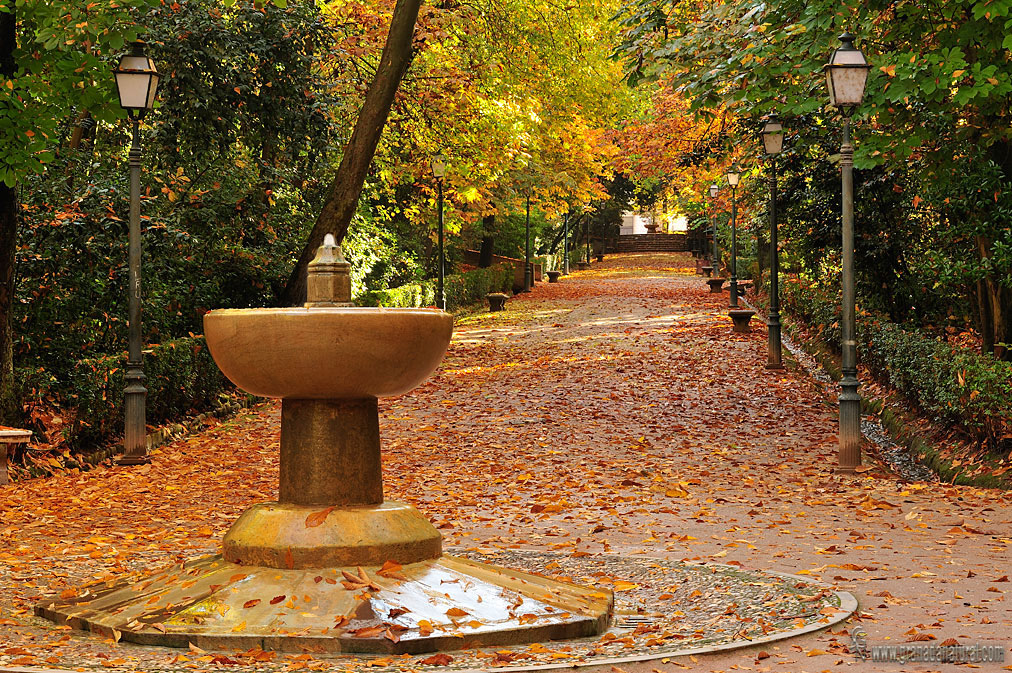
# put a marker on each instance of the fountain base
(440, 604)
(287, 536)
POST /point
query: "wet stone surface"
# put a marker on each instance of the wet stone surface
(663, 608)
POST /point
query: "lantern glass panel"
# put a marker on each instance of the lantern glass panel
(439, 166)
(846, 85)
(136, 82)
(773, 137)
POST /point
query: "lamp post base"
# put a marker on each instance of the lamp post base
(133, 460)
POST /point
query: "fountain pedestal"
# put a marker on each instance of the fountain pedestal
(332, 566)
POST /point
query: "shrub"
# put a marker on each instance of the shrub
(181, 377)
(462, 289)
(967, 388)
(964, 387)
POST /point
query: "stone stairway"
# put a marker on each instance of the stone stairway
(653, 243)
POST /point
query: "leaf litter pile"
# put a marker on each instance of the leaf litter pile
(612, 414)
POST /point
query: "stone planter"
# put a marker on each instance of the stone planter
(708, 271)
(652, 228)
(553, 276)
(496, 301)
(716, 285)
(600, 256)
(583, 266)
(741, 318)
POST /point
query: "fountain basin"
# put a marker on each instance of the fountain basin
(327, 353)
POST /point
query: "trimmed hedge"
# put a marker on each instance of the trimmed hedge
(462, 289)
(967, 388)
(963, 386)
(181, 377)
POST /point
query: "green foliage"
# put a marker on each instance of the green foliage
(221, 224)
(227, 197)
(463, 289)
(64, 58)
(932, 66)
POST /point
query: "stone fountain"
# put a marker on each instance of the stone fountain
(332, 566)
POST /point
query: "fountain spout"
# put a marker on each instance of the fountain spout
(328, 277)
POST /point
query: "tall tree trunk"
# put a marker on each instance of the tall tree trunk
(342, 199)
(995, 308)
(991, 290)
(9, 411)
(487, 241)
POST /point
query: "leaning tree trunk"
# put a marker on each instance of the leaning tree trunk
(9, 411)
(342, 199)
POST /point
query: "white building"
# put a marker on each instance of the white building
(636, 223)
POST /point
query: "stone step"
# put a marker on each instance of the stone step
(653, 243)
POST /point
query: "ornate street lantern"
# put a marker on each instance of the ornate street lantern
(846, 74)
(136, 82)
(773, 135)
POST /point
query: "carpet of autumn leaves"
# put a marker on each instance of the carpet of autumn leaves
(613, 412)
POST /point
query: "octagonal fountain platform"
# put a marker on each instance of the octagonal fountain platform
(332, 566)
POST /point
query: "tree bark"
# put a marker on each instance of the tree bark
(487, 242)
(9, 407)
(995, 308)
(342, 199)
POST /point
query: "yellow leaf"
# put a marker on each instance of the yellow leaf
(241, 626)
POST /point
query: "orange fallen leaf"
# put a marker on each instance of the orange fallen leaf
(317, 518)
(441, 659)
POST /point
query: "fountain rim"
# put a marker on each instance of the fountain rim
(299, 310)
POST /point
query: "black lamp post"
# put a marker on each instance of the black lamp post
(846, 75)
(773, 141)
(565, 244)
(136, 83)
(439, 172)
(733, 176)
(528, 269)
(715, 262)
